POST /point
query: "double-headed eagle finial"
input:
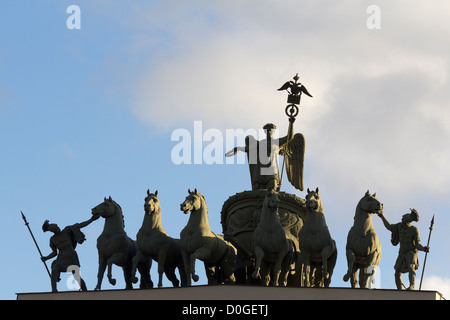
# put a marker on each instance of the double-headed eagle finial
(294, 88)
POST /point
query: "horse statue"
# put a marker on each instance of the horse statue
(154, 243)
(271, 245)
(363, 246)
(199, 242)
(115, 247)
(317, 248)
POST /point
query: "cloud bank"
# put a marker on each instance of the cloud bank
(379, 109)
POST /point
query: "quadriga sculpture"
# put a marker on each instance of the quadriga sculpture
(317, 248)
(272, 249)
(154, 243)
(199, 242)
(115, 247)
(363, 246)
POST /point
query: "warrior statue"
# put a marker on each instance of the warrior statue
(63, 244)
(408, 236)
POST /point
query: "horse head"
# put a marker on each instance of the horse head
(193, 202)
(151, 204)
(313, 201)
(105, 209)
(370, 204)
(271, 200)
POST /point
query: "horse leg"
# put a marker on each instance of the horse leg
(363, 277)
(228, 264)
(144, 271)
(170, 274)
(265, 273)
(127, 277)
(101, 272)
(187, 267)
(211, 273)
(325, 253)
(82, 284)
(182, 272)
(162, 254)
(354, 277)
(373, 259)
(116, 259)
(288, 266)
(277, 268)
(350, 261)
(200, 254)
(259, 253)
(136, 259)
(285, 269)
(301, 267)
(306, 266)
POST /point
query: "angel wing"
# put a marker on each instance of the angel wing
(294, 155)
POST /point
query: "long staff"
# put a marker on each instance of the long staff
(426, 253)
(40, 253)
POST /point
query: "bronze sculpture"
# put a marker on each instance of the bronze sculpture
(63, 244)
(240, 212)
(115, 247)
(265, 229)
(240, 215)
(154, 243)
(407, 235)
(199, 242)
(263, 158)
(317, 248)
(363, 246)
(272, 249)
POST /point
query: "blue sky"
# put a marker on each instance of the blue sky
(89, 113)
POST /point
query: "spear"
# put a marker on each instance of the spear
(426, 253)
(40, 253)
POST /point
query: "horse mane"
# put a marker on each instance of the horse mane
(202, 198)
(120, 210)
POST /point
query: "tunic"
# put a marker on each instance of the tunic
(408, 237)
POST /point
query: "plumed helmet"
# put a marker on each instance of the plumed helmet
(45, 226)
(414, 215)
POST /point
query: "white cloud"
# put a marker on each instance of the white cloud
(226, 69)
(437, 283)
(379, 112)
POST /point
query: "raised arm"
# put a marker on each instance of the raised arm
(235, 150)
(385, 222)
(290, 134)
(87, 222)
